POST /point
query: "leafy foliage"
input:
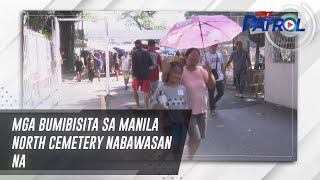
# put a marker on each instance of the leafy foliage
(142, 19)
(41, 21)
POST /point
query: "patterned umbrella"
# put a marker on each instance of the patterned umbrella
(201, 32)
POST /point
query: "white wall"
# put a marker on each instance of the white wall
(281, 83)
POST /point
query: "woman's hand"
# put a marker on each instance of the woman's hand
(208, 66)
(211, 80)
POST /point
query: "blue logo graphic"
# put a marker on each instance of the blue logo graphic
(265, 23)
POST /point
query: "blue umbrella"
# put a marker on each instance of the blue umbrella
(120, 51)
(85, 53)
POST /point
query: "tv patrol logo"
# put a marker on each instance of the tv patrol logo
(265, 23)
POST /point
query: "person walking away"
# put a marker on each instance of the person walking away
(111, 63)
(79, 67)
(104, 62)
(241, 62)
(126, 66)
(216, 61)
(141, 63)
(91, 68)
(117, 65)
(157, 64)
(99, 64)
(196, 80)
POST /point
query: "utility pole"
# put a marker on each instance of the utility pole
(82, 33)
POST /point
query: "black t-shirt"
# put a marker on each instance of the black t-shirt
(85, 61)
(141, 62)
(78, 65)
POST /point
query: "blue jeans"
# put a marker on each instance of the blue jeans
(220, 91)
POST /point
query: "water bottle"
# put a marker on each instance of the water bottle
(162, 98)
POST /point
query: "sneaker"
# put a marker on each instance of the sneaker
(213, 113)
(240, 95)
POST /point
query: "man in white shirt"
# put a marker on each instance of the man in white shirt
(216, 61)
(126, 66)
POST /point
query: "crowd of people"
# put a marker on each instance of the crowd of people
(187, 83)
(93, 63)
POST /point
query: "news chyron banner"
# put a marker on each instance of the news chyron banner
(93, 141)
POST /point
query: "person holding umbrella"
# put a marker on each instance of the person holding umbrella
(197, 80)
(199, 32)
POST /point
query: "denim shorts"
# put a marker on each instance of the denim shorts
(197, 126)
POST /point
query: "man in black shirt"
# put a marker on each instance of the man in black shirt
(141, 63)
(79, 66)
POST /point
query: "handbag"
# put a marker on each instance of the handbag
(214, 71)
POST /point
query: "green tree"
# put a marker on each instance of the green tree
(160, 26)
(142, 20)
(41, 21)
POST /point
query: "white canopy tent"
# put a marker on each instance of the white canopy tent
(123, 39)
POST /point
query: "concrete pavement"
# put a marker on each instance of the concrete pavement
(242, 129)
(82, 95)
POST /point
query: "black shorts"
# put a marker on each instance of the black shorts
(79, 70)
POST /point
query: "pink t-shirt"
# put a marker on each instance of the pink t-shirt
(195, 83)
